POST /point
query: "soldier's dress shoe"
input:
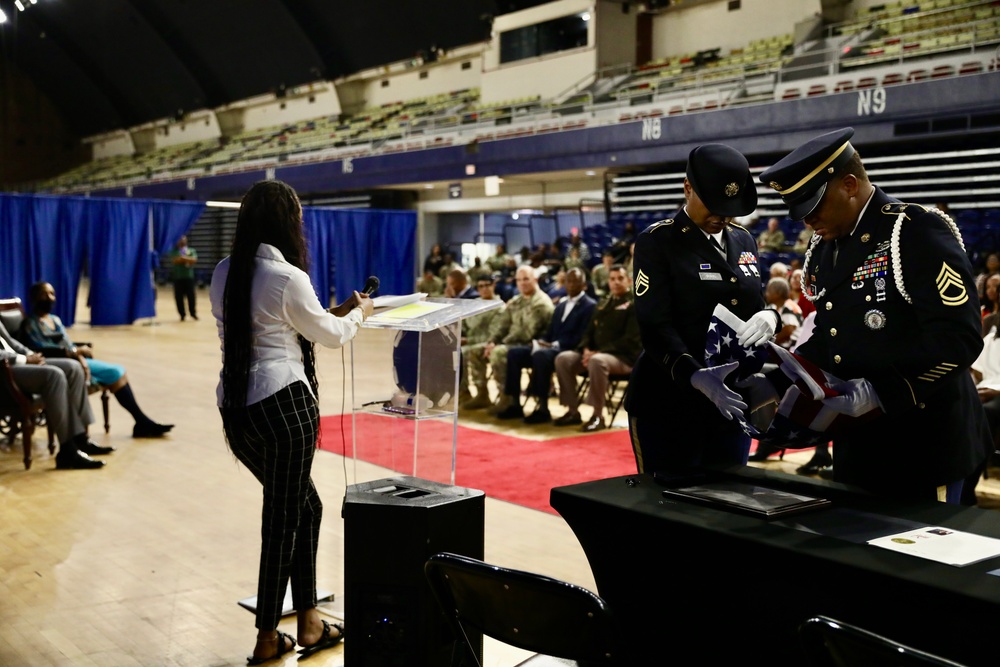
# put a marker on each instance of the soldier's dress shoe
(538, 417)
(819, 460)
(596, 423)
(512, 411)
(76, 461)
(569, 419)
(91, 448)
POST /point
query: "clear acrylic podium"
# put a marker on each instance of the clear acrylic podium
(404, 414)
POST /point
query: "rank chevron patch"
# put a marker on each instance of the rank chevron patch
(949, 279)
(641, 283)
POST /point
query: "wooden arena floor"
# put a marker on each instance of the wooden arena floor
(142, 562)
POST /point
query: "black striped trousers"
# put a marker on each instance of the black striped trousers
(276, 440)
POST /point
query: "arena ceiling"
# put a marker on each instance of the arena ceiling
(110, 64)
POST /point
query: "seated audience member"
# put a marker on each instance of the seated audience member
(779, 270)
(619, 246)
(991, 303)
(457, 286)
(771, 239)
(62, 384)
(435, 259)
(582, 249)
(498, 261)
(525, 318)
(45, 332)
(574, 260)
(610, 346)
(569, 321)
(556, 289)
(505, 286)
(477, 271)
(795, 284)
(777, 295)
(475, 335)
(991, 266)
(599, 275)
(448, 266)
(430, 284)
(628, 261)
(986, 373)
(802, 242)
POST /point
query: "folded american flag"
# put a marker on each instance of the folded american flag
(802, 419)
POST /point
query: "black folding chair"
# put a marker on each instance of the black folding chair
(831, 643)
(558, 620)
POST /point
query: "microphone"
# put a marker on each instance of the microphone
(370, 285)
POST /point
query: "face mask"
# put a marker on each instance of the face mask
(44, 307)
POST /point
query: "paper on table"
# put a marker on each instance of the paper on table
(391, 301)
(943, 545)
(408, 312)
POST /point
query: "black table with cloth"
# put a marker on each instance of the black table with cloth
(712, 584)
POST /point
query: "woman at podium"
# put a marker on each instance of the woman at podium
(269, 317)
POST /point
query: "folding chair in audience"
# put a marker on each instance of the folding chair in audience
(613, 401)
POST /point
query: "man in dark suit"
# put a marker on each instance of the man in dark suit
(569, 322)
(897, 318)
(63, 386)
(457, 286)
(681, 414)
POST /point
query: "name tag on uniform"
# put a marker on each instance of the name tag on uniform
(710, 275)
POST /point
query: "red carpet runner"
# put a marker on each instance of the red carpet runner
(504, 467)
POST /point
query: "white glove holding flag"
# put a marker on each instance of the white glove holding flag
(856, 398)
(758, 329)
(711, 382)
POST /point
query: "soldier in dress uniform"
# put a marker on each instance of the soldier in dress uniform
(681, 414)
(897, 318)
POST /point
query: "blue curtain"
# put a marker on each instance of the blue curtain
(171, 221)
(16, 251)
(379, 243)
(319, 226)
(119, 260)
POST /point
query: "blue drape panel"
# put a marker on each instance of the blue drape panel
(379, 243)
(16, 252)
(171, 221)
(319, 230)
(119, 260)
(58, 226)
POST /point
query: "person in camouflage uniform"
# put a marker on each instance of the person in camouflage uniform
(526, 317)
(475, 335)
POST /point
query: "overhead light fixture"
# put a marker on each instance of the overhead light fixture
(20, 7)
(590, 172)
(223, 204)
(34, 2)
(585, 16)
(514, 216)
(3, 17)
(428, 186)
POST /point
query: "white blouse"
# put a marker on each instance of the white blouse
(283, 304)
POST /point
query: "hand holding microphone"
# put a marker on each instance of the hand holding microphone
(357, 299)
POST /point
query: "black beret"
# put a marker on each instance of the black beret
(801, 176)
(721, 178)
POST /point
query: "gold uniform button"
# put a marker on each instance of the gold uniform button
(829, 306)
(836, 358)
(833, 332)
(734, 301)
(868, 297)
(921, 406)
(733, 279)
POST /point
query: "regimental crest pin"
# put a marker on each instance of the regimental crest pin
(732, 189)
(874, 319)
(774, 186)
(641, 283)
(950, 287)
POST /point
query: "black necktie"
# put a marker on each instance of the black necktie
(718, 246)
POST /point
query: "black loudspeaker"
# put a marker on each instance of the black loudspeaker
(391, 527)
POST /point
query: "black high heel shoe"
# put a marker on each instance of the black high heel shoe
(764, 452)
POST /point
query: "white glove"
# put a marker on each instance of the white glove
(856, 398)
(711, 382)
(758, 329)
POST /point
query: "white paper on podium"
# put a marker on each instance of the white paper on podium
(393, 301)
(943, 545)
(408, 312)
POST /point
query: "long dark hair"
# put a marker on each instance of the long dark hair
(269, 213)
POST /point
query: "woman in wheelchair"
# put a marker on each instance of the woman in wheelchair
(44, 332)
